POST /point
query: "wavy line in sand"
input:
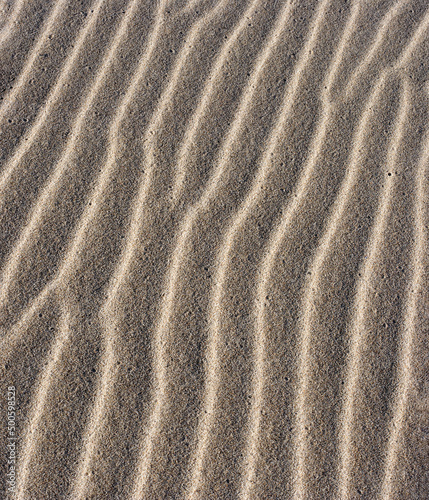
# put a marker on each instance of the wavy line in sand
(206, 94)
(29, 448)
(7, 30)
(304, 362)
(294, 205)
(92, 208)
(275, 242)
(394, 12)
(52, 98)
(213, 381)
(410, 328)
(258, 378)
(91, 212)
(50, 23)
(49, 192)
(181, 247)
(360, 306)
(154, 425)
(358, 328)
(53, 183)
(126, 258)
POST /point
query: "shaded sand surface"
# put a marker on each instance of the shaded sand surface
(214, 249)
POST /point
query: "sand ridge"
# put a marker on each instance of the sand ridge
(214, 249)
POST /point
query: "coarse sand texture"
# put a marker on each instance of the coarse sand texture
(214, 249)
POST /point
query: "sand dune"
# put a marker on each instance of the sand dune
(214, 257)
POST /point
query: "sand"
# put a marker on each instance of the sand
(214, 249)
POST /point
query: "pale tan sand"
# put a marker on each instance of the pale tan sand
(214, 221)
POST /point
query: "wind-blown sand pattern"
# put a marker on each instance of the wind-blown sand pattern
(214, 274)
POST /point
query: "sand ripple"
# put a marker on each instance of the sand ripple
(214, 248)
